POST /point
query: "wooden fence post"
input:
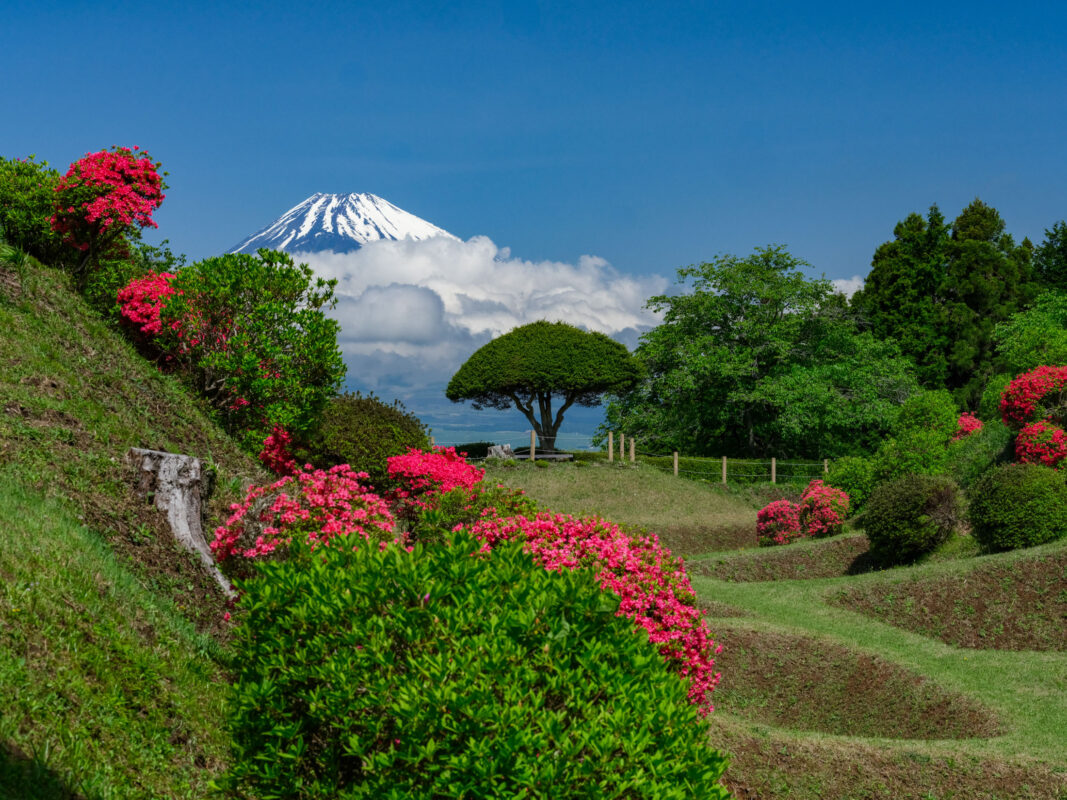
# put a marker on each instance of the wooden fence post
(533, 446)
(774, 470)
(433, 444)
(724, 470)
(622, 446)
(633, 459)
(825, 465)
(611, 446)
(676, 463)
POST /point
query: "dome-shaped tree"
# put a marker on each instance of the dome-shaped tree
(533, 364)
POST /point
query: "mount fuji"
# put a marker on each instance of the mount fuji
(341, 223)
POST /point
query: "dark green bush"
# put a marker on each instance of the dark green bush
(972, 456)
(1018, 505)
(362, 431)
(26, 194)
(475, 449)
(434, 674)
(910, 516)
(855, 477)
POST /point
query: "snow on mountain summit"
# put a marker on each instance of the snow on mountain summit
(339, 222)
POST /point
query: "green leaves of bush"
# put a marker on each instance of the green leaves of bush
(910, 516)
(389, 674)
(1018, 505)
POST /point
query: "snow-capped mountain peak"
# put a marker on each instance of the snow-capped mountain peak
(339, 222)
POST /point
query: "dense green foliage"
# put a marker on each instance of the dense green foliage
(432, 674)
(931, 411)
(854, 475)
(531, 364)
(1018, 505)
(26, 191)
(1035, 336)
(969, 458)
(910, 516)
(941, 290)
(362, 431)
(251, 335)
(758, 360)
(989, 405)
(1050, 258)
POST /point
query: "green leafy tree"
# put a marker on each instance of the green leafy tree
(758, 359)
(1050, 258)
(533, 366)
(251, 335)
(1036, 336)
(941, 290)
(27, 188)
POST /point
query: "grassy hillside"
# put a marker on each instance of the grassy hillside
(836, 684)
(110, 680)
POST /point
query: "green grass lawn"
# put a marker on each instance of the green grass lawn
(833, 696)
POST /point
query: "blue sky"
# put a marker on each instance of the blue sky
(651, 135)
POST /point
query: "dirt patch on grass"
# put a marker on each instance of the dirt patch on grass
(768, 766)
(832, 558)
(811, 684)
(1020, 605)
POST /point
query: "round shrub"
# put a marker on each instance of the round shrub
(1040, 394)
(822, 509)
(1018, 505)
(910, 516)
(855, 477)
(1041, 443)
(363, 431)
(916, 452)
(778, 523)
(931, 411)
(435, 674)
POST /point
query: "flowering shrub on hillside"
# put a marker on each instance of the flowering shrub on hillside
(275, 455)
(654, 589)
(421, 475)
(1035, 395)
(141, 300)
(967, 424)
(778, 523)
(822, 509)
(313, 504)
(1041, 443)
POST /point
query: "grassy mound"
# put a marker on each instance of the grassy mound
(822, 558)
(1001, 603)
(689, 517)
(814, 684)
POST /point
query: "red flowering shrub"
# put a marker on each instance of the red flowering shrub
(654, 589)
(1035, 395)
(141, 300)
(102, 196)
(778, 523)
(823, 509)
(1041, 443)
(313, 504)
(421, 475)
(967, 424)
(275, 455)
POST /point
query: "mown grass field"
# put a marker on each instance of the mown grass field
(841, 681)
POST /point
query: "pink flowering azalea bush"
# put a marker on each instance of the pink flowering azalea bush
(652, 585)
(1041, 442)
(141, 300)
(778, 523)
(314, 505)
(276, 455)
(1040, 394)
(419, 476)
(821, 512)
(967, 424)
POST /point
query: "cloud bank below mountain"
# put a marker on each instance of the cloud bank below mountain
(411, 312)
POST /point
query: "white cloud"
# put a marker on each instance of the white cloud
(411, 312)
(848, 286)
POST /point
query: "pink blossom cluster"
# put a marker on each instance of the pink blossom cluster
(117, 187)
(317, 504)
(778, 523)
(1034, 395)
(1042, 442)
(967, 424)
(821, 512)
(141, 300)
(275, 455)
(652, 585)
(420, 475)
